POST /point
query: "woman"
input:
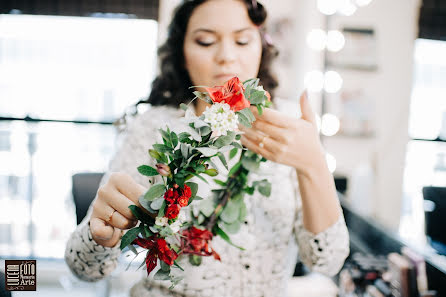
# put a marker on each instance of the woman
(209, 42)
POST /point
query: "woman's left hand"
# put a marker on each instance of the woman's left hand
(286, 139)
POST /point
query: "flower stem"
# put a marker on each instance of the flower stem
(213, 219)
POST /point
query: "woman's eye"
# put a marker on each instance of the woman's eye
(242, 42)
(204, 43)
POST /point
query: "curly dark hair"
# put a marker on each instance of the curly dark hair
(171, 86)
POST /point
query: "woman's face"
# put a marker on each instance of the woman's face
(221, 42)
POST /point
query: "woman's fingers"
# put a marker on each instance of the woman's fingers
(104, 234)
(112, 216)
(125, 184)
(273, 117)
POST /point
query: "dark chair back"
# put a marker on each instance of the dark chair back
(85, 186)
(3, 292)
(436, 217)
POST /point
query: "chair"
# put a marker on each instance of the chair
(435, 217)
(3, 292)
(84, 189)
(85, 186)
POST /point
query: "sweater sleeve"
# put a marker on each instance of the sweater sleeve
(326, 251)
(86, 259)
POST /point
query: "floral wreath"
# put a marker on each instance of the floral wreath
(163, 229)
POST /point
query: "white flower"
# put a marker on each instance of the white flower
(221, 119)
(161, 221)
(260, 88)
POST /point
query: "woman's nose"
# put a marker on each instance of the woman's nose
(225, 53)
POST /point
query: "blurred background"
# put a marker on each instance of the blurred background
(376, 76)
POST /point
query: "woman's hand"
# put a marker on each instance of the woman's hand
(111, 214)
(286, 139)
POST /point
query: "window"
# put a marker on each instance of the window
(70, 69)
(425, 159)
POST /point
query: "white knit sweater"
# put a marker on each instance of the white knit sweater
(273, 234)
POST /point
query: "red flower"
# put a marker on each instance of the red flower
(176, 195)
(183, 201)
(171, 196)
(172, 211)
(157, 248)
(232, 93)
(165, 253)
(187, 192)
(196, 241)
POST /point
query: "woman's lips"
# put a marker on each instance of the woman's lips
(225, 76)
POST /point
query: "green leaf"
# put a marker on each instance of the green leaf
(154, 154)
(259, 109)
(183, 136)
(206, 130)
(162, 275)
(230, 212)
(248, 114)
(225, 237)
(238, 136)
(207, 207)
(173, 139)
(195, 260)
(156, 204)
(224, 139)
(249, 190)
(184, 150)
(145, 231)
(183, 106)
(235, 168)
(202, 96)
(250, 164)
(220, 182)
(223, 160)
(141, 215)
(232, 153)
(164, 266)
(193, 187)
(200, 177)
(198, 198)
(146, 204)
(207, 151)
(128, 237)
(162, 209)
(162, 148)
(175, 263)
(237, 145)
(243, 211)
(265, 188)
(232, 228)
(244, 120)
(165, 135)
(147, 170)
(133, 249)
(155, 191)
(257, 97)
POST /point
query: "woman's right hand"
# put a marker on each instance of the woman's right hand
(118, 194)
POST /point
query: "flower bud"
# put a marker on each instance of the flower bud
(211, 172)
(163, 169)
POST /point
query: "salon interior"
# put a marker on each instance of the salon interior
(375, 72)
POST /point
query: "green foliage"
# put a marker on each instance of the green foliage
(128, 237)
(147, 170)
(155, 191)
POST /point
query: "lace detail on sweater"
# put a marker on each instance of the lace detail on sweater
(271, 234)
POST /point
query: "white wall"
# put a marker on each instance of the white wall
(395, 25)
